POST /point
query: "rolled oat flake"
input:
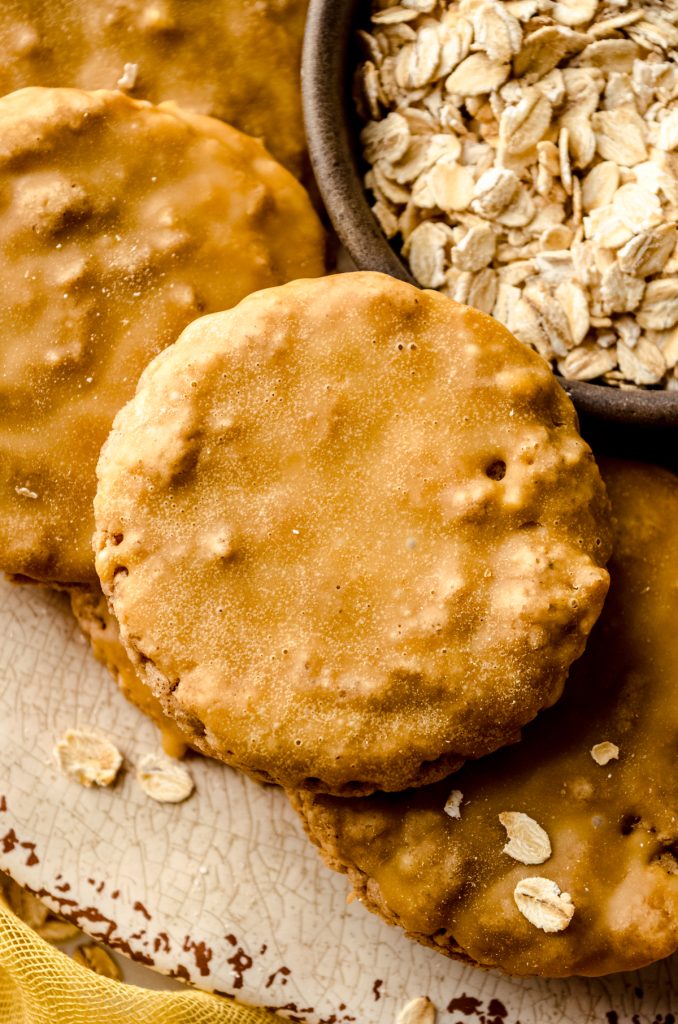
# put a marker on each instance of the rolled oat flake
(524, 158)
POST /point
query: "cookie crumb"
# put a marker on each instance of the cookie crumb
(128, 78)
(453, 804)
(604, 752)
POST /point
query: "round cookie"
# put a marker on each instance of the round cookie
(351, 534)
(233, 59)
(612, 825)
(121, 222)
(92, 614)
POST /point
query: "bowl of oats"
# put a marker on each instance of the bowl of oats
(521, 156)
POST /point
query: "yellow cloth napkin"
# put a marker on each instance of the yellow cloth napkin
(41, 985)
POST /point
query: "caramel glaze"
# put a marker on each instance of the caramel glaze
(351, 533)
(613, 828)
(121, 222)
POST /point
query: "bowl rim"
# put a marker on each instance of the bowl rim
(327, 39)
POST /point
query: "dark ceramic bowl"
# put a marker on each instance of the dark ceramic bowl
(624, 422)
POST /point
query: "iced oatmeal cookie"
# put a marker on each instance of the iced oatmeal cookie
(351, 534)
(121, 223)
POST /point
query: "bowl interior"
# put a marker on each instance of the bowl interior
(332, 125)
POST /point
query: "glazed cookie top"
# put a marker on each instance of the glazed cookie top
(351, 533)
(121, 223)
(233, 59)
(559, 855)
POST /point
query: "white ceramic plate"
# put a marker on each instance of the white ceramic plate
(224, 890)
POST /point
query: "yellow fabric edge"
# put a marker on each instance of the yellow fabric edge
(41, 985)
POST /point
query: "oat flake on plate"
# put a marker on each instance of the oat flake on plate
(524, 154)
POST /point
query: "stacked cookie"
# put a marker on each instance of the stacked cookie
(557, 855)
(350, 539)
(359, 543)
(353, 540)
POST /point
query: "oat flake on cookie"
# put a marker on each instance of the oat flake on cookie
(524, 156)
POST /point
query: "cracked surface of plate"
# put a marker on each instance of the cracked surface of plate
(224, 890)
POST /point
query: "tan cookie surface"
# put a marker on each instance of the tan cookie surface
(233, 59)
(121, 223)
(351, 534)
(612, 825)
(99, 626)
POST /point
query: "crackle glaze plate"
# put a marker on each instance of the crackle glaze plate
(224, 890)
